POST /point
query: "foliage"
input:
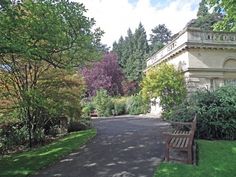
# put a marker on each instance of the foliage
(227, 8)
(132, 52)
(129, 87)
(167, 83)
(203, 9)
(216, 159)
(205, 20)
(28, 163)
(105, 74)
(136, 105)
(155, 47)
(12, 135)
(37, 37)
(62, 39)
(160, 36)
(56, 99)
(103, 103)
(88, 107)
(83, 124)
(215, 112)
(119, 105)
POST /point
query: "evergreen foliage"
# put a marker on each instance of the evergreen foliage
(160, 36)
(136, 105)
(132, 52)
(206, 20)
(103, 103)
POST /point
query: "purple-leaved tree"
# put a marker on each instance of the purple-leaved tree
(105, 74)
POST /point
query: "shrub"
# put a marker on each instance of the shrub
(119, 105)
(88, 107)
(136, 105)
(83, 124)
(11, 135)
(167, 83)
(216, 112)
(103, 103)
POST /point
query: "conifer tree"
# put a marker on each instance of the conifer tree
(160, 36)
(205, 20)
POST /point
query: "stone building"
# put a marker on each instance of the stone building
(208, 59)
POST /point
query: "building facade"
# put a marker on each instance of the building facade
(208, 59)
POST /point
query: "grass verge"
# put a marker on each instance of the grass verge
(27, 163)
(216, 159)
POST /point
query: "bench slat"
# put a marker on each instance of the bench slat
(179, 142)
(186, 143)
(183, 143)
(176, 141)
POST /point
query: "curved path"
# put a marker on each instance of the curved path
(123, 147)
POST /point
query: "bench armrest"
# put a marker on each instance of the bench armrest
(180, 123)
(176, 135)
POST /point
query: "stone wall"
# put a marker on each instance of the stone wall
(207, 59)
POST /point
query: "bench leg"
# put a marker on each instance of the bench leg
(190, 155)
(167, 157)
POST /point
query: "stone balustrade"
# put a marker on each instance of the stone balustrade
(193, 37)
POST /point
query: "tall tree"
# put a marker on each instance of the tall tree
(160, 36)
(205, 20)
(228, 9)
(135, 53)
(132, 52)
(203, 9)
(118, 48)
(105, 74)
(38, 36)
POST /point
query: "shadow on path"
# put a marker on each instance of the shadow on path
(123, 147)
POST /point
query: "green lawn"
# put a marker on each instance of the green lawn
(216, 159)
(23, 164)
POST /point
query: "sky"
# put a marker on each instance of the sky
(115, 17)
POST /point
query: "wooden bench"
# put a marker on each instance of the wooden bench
(94, 113)
(181, 139)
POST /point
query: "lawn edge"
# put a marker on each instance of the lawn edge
(61, 157)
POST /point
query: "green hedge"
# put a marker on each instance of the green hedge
(216, 112)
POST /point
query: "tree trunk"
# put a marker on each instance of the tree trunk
(29, 127)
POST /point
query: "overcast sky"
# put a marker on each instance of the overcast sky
(116, 16)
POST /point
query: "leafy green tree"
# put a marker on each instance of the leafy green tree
(227, 8)
(38, 36)
(167, 83)
(205, 20)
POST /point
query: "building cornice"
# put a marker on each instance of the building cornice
(210, 70)
(193, 38)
